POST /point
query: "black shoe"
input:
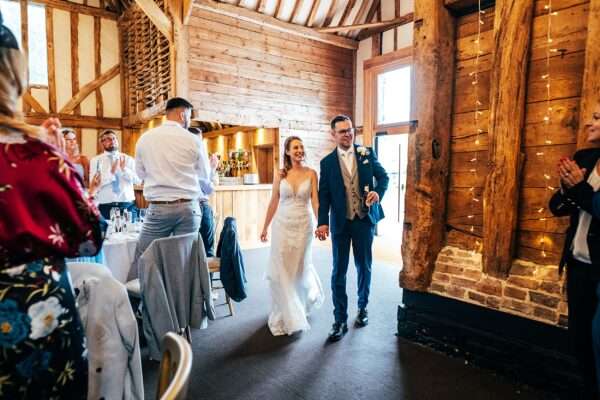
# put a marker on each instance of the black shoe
(362, 319)
(338, 330)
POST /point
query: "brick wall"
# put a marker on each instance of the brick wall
(532, 291)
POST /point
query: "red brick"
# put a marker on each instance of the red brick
(472, 274)
(447, 268)
(436, 287)
(523, 282)
(522, 270)
(545, 313)
(490, 286)
(563, 320)
(447, 251)
(551, 287)
(439, 277)
(515, 293)
(562, 307)
(455, 291)
(518, 306)
(493, 302)
(478, 297)
(462, 282)
(446, 259)
(548, 273)
(544, 299)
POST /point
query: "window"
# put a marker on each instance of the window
(393, 96)
(37, 43)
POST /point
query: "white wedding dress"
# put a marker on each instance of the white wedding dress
(294, 283)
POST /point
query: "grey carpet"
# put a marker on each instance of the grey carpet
(237, 358)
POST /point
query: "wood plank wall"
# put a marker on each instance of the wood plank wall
(244, 74)
(569, 33)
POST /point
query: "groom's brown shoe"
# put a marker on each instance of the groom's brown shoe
(338, 330)
(362, 319)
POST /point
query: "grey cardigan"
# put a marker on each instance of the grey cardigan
(175, 286)
(114, 361)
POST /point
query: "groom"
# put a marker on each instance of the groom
(351, 186)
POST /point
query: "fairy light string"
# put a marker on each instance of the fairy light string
(547, 77)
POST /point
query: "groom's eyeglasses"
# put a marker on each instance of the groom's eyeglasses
(348, 131)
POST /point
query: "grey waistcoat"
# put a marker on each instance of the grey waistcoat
(353, 192)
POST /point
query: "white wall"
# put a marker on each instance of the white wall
(404, 39)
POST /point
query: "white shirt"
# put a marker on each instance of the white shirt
(117, 187)
(581, 252)
(173, 164)
(348, 158)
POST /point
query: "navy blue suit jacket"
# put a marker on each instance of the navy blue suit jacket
(332, 193)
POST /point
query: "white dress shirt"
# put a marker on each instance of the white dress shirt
(348, 158)
(173, 164)
(581, 252)
(117, 187)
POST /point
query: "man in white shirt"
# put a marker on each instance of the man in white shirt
(207, 226)
(117, 176)
(176, 172)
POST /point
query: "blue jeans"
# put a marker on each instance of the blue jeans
(163, 220)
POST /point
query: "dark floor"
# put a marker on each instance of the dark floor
(237, 358)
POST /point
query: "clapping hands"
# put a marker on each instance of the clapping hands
(54, 137)
(570, 173)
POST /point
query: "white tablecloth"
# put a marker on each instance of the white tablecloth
(119, 252)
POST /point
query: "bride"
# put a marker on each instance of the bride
(294, 283)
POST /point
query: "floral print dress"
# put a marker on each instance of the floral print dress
(45, 216)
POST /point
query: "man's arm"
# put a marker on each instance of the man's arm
(129, 170)
(139, 164)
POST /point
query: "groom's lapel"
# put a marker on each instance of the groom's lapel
(363, 179)
(336, 170)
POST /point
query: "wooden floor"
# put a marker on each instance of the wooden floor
(237, 358)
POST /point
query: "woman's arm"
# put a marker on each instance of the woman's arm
(272, 206)
(314, 195)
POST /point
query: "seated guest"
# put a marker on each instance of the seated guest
(79, 161)
(117, 176)
(207, 226)
(579, 179)
(45, 216)
(176, 172)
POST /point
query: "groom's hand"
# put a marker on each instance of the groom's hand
(372, 198)
(322, 232)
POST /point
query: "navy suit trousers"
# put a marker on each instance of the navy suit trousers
(358, 233)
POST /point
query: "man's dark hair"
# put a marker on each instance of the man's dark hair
(107, 132)
(339, 118)
(195, 130)
(178, 102)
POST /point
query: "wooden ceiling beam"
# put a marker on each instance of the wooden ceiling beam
(313, 13)
(372, 11)
(157, 16)
(295, 10)
(277, 8)
(369, 25)
(260, 6)
(347, 12)
(405, 19)
(273, 23)
(330, 13)
(78, 8)
(75, 121)
(463, 7)
(361, 12)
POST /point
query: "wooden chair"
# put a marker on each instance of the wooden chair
(214, 267)
(175, 368)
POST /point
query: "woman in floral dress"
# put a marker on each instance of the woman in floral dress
(45, 216)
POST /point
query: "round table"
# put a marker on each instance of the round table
(119, 253)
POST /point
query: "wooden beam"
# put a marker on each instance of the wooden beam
(98, 65)
(376, 45)
(590, 93)
(50, 57)
(157, 16)
(89, 88)
(372, 11)
(144, 116)
(33, 103)
(347, 10)
(464, 7)
(260, 6)
(406, 19)
(75, 57)
(369, 25)
(75, 121)
(273, 23)
(25, 42)
(186, 12)
(330, 13)
(297, 5)
(313, 13)
(277, 8)
(508, 77)
(433, 61)
(361, 13)
(79, 8)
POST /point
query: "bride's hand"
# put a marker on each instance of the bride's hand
(263, 236)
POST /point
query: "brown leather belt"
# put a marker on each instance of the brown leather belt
(178, 201)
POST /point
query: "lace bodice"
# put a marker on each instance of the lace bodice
(298, 198)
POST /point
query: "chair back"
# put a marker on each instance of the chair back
(175, 368)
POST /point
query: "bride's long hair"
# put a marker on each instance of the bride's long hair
(13, 81)
(287, 160)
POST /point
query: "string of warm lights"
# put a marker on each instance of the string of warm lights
(547, 121)
(477, 114)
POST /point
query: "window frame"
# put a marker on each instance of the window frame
(372, 68)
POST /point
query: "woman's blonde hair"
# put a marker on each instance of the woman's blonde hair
(13, 78)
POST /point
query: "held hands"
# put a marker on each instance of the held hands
(570, 173)
(372, 198)
(322, 232)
